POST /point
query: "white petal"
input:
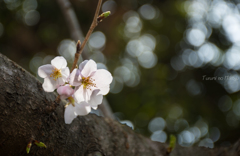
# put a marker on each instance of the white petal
(87, 94)
(82, 94)
(78, 95)
(69, 114)
(59, 62)
(66, 91)
(60, 81)
(49, 85)
(73, 78)
(104, 90)
(45, 70)
(96, 98)
(102, 78)
(89, 68)
(65, 73)
(95, 108)
(81, 66)
(82, 109)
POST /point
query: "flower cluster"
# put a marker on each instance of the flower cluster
(83, 88)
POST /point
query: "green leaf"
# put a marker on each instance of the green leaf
(40, 144)
(172, 143)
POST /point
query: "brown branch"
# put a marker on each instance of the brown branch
(93, 25)
(25, 115)
(72, 23)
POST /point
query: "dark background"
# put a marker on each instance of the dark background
(175, 63)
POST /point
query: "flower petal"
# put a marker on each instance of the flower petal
(89, 68)
(73, 78)
(78, 95)
(65, 91)
(104, 90)
(96, 98)
(81, 65)
(45, 70)
(59, 62)
(65, 73)
(102, 78)
(82, 94)
(49, 85)
(60, 81)
(87, 94)
(95, 108)
(82, 109)
(69, 114)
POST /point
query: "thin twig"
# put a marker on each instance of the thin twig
(72, 23)
(93, 25)
(76, 34)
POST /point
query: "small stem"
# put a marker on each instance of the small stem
(93, 25)
(72, 22)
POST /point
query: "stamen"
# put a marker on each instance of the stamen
(88, 82)
(56, 73)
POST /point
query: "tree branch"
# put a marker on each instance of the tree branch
(72, 22)
(92, 27)
(28, 112)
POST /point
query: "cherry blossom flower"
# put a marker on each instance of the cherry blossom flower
(87, 79)
(72, 109)
(54, 74)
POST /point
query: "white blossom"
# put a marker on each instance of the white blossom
(91, 83)
(54, 74)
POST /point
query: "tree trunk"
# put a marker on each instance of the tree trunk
(27, 112)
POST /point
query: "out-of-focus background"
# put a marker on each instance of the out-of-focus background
(175, 63)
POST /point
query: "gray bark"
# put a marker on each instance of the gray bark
(27, 112)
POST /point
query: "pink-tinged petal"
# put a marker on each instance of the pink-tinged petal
(65, 72)
(96, 98)
(65, 91)
(82, 109)
(78, 95)
(95, 108)
(69, 114)
(73, 78)
(89, 68)
(102, 78)
(59, 62)
(81, 65)
(49, 85)
(104, 90)
(45, 70)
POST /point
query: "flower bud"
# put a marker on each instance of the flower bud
(29, 145)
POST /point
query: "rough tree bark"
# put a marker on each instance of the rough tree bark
(27, 112)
